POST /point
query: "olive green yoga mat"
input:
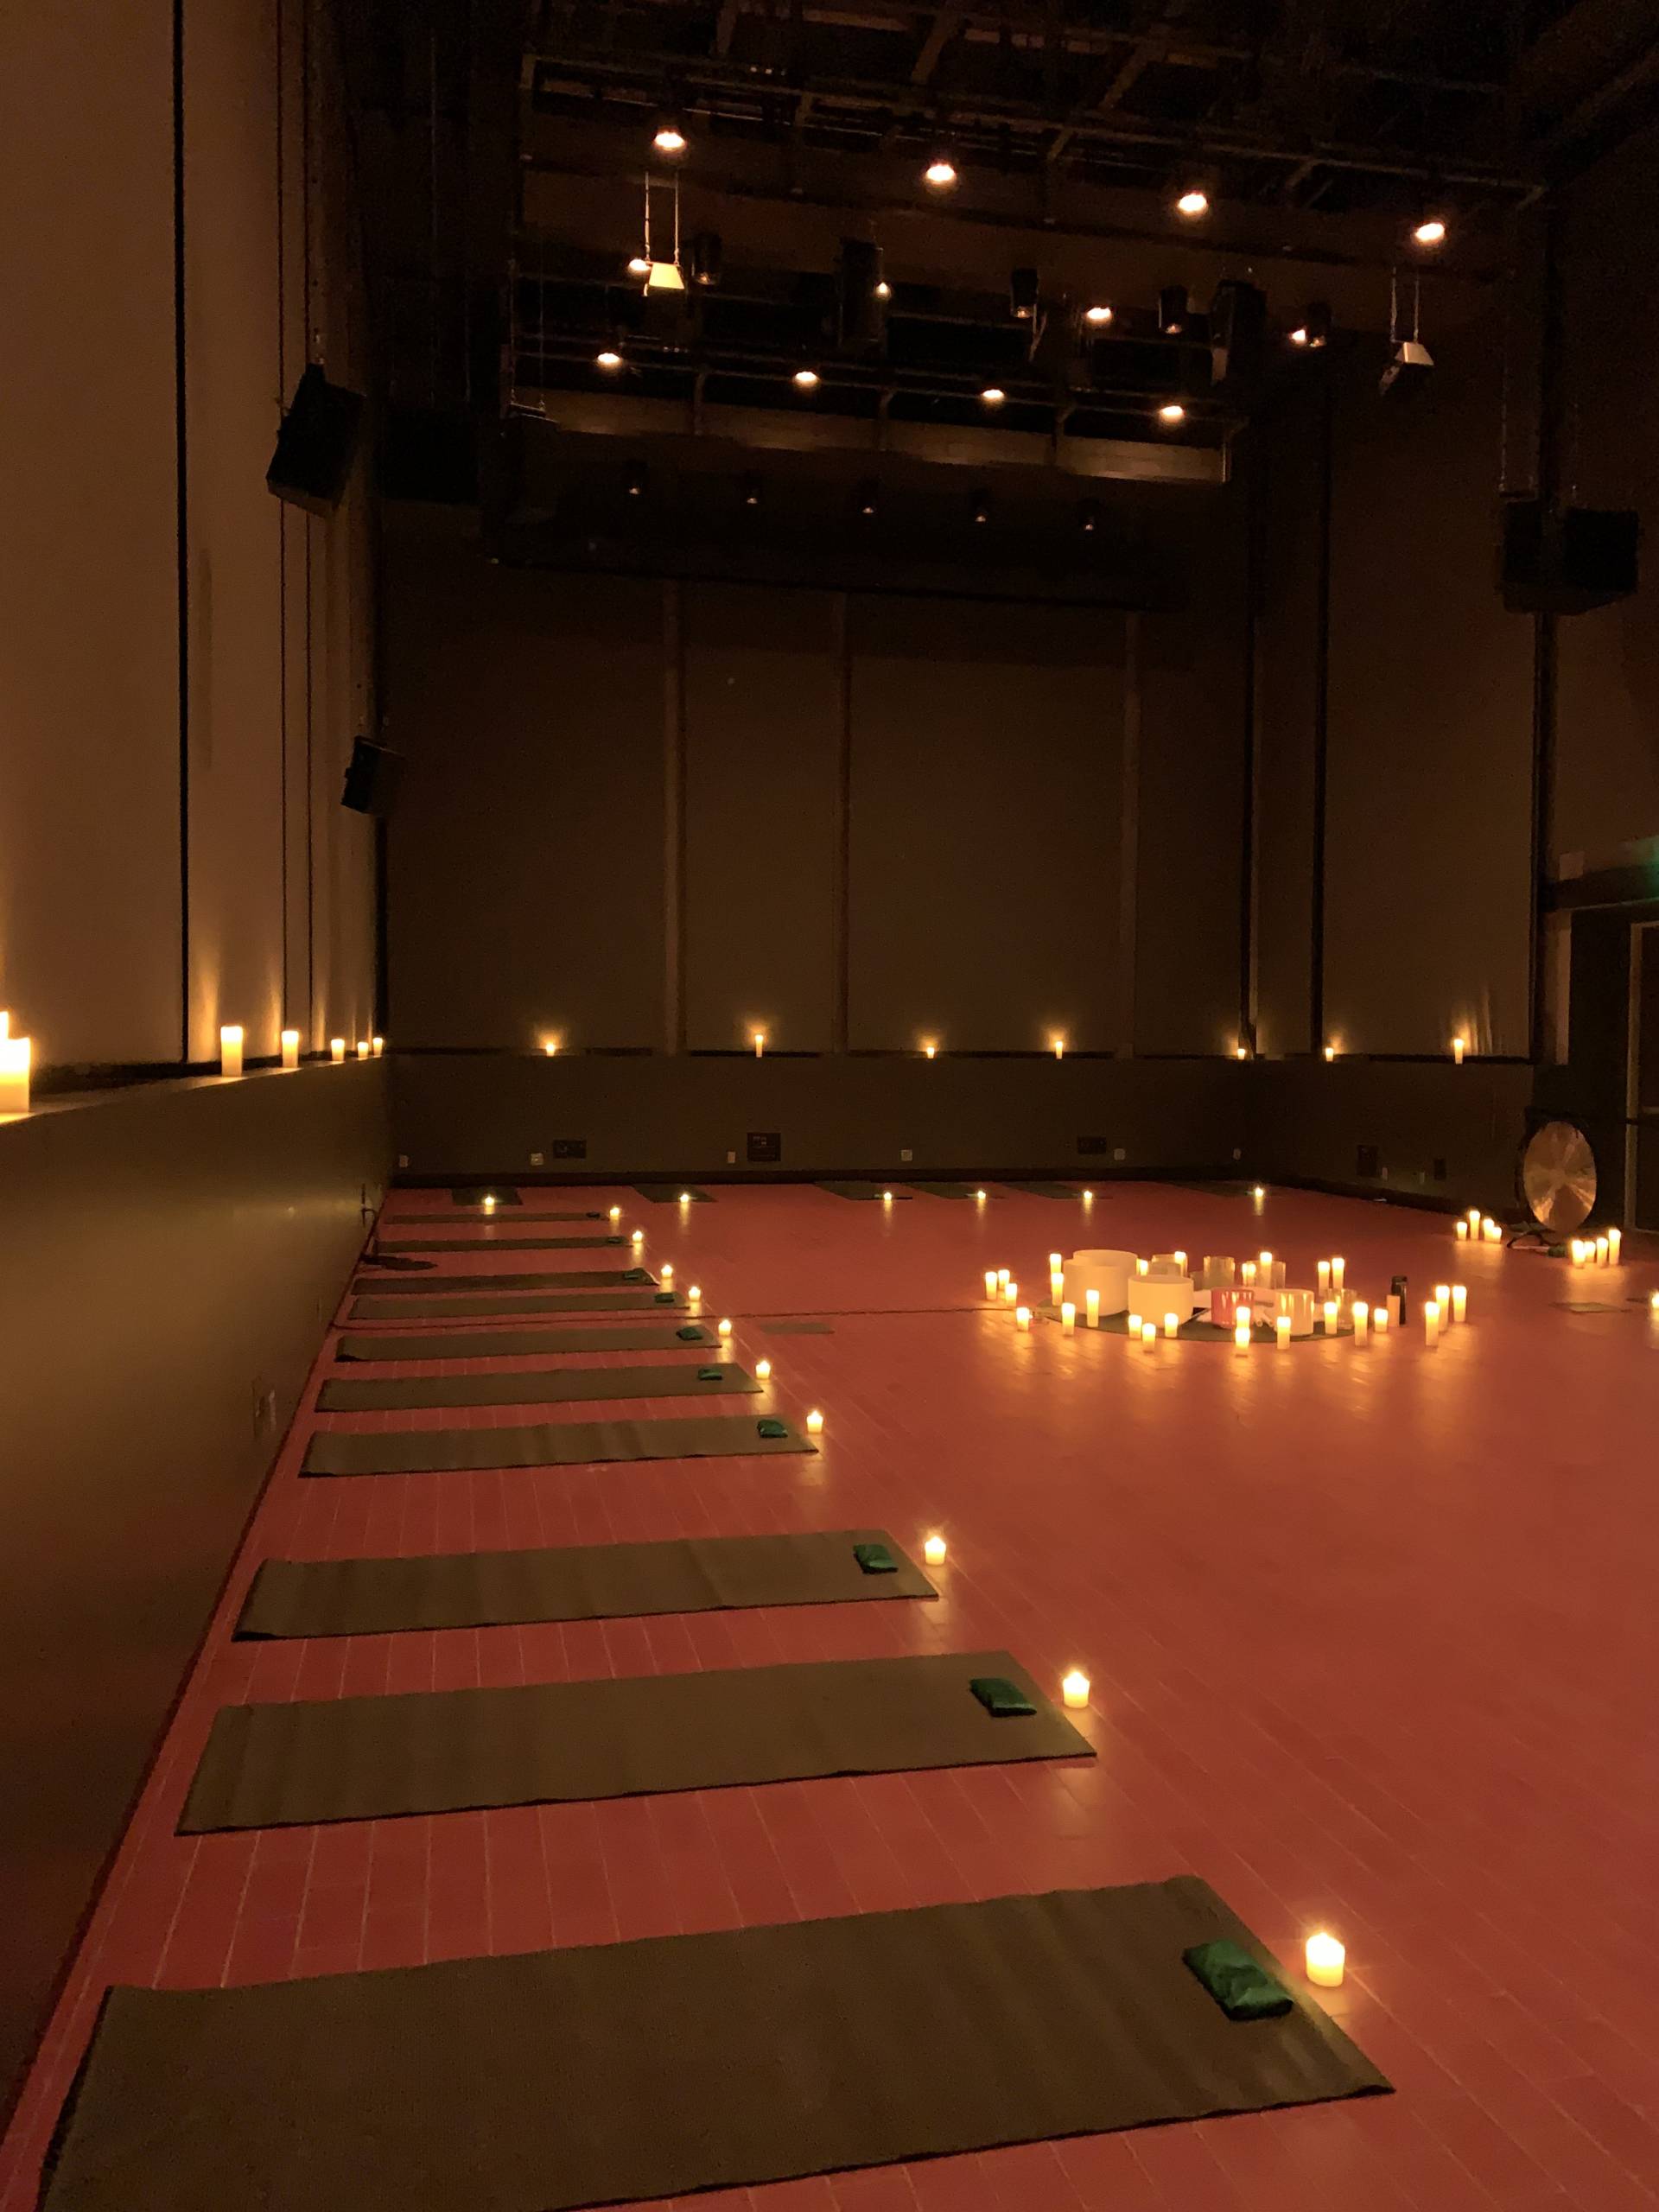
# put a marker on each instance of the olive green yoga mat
(440, 1307)
(1041, 1190)
(422, 1286)
(474, 1194)
(670, 1194)
(534, 1386)
(947, 1189)
(517, 1343)
(579, 1582)
(865, 1190)
(613, 2072)
(547, 1443)
(496, 1243)
(366, 1758)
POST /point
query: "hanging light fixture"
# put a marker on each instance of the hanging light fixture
(1409, 360)
(1429, 229)
(660, 276)
(669, 138)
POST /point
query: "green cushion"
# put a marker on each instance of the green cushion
(663, 1297)
(1002, 1698)
(1243, 1990)
(768, 1426)
(636, 1275)
(711, 1375)
(875, 1559)
(689, 1333)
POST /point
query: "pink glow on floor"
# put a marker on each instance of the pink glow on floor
(1372, 1635)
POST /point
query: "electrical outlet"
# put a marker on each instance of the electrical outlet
(907, 1154)
(1118, 1153)
(537, 1158)
(1237, 1153)
(731, 1159)
(403, 1159)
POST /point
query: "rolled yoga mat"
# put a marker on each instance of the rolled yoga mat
(496, 1243)
(534, 1386)
(578, 1582)
(613, 2072)
(543, 1279)
(517, 1343)
(369, 1758)
(547, 1443)
(375, 1307)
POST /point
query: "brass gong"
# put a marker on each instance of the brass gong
(1558, 1177)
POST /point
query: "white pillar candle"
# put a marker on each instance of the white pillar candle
(763, 1371)
(377, 1045)
(693, 1292)
(1149, 1335)
(16, 1054)
(1246, 1275)
(1326, 1959)
(636, 1237)
(1140, 1266)
(1011, 1294)
(933, 1551)
(1001, 1278)
(1459, 1047)
(723, 1327)
(1056, 1262)
(1339, 1265)
(1181, 1262)
(887, 1197)
(1023, 1316)
(760, 1042)
(1615, 1240)
(1056, 1287)
(616, 1213)
(1601, 1251)
(992, 1286)
(1460, 1230)
(1241, 1334)
(1264, 1260)
(815, 1423)
(1172, 1325)
(1380, 1318)
(666, 1272)
(1282, 1331)
(1058, 1043)
(230, 1049)
(290, 1043)
(1091, 1309)
(1443, 1300)
(489, 1201)
(362, 1048)
(1068, 1318)
(1431, 1323)
(1329, 1314)
(1074, 1688)
(1494, 1234)
(1459, 1301)
(1324, 1276)
(336, 1050)
(1362, 1322)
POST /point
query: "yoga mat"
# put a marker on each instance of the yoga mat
(1046, 1189)
(366, 1758)
(545, 1279)
(474, 1194)
(664, 1196)
(516, 1343)
(585, 1582)
(864, 1191)
(496, 1243)
(437, 1308)
(949, 1189)
(794, 1328)
(546, 1444)
(534, 1386)
(611, 2073)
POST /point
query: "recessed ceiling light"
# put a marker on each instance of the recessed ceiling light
(669, 138)
(1172, 411)
(940, 172)
(992, 395)
(1193, 202)
(1099, 316)
(806, 379)
(608, 357)
(1430, 231)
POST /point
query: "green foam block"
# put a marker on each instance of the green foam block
(1002, 1698)
(1244, 1990)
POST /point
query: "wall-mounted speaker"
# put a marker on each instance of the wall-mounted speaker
(1238, 323)
(371, 778)
(316, 444)
(1565, 564)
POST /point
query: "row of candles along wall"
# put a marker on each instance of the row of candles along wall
(1450, 1303)
(928, 1047)
(18, 1053)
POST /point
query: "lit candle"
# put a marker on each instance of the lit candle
(763, 1371)
(489, 1201)
(929, 1051)
(1247, 1274)
(1461, 1231)
(1056, 1287)
(887, 1197)
(979, 1196)
(933, 1551)
(1068, 1319)
(549, 1046)
(1011, 1294)
(1362, 1322)
(230, 1049)
(1324, 1275)
(1001, 1278)
(760, 1042)
(1431, 1323)
(1258, 1193)
(1264, 1260)
(666, 1272)
(1059, 1042)
(1615, 1239)
(362, 1048)
(1330, 1052)
(1601, 1251)
(290, 1043)
(16, 1056)
(992, 1286)
(1330, 1311)
(693, 1292)
(336, 1050)
(1459, 1301)
(1181, 1262)
(1282, 1331)
(1074, 1688)
(1380, 1318)
(1459, 1047)
(1326, 1959)
(1091, 1309)
(616, 1213)
(1338, 1265)
(1140, 1266)
(1494, 1234)
(377, 1045)
(723, 1328)
(1088, 1198)
(685, 1198)
(1149, 1335)
(1023, 1316)
(1172, 1325)
(1443, 1300)
(815, 1423)
(636, 1237)
(1056, 1262)
(1241, 1334)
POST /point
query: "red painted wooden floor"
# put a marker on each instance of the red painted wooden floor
(1371, 1634)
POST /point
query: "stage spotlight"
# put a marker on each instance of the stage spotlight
(1098, 317)
(669, 138)
(1022, 295)
(806, 379)
(1172, 411)
(992, 395)
(867, 499)
(1314, 328)
(608, 357)
(940, 174)
(982, 507)
(1431, 231)
(1173, 307)
(1089, 517)
(664, 277)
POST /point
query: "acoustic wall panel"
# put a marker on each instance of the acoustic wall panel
(986, 808)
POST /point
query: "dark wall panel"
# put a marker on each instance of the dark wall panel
(144, 1335)
(763, 734)
(986, 825)
(1428, 855)
(526, 860)
(1439, 1134)
(1193, 682)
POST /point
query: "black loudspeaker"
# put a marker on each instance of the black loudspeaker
(1238, 322)
(1568, 562)
(371, 778)
(316, 444)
